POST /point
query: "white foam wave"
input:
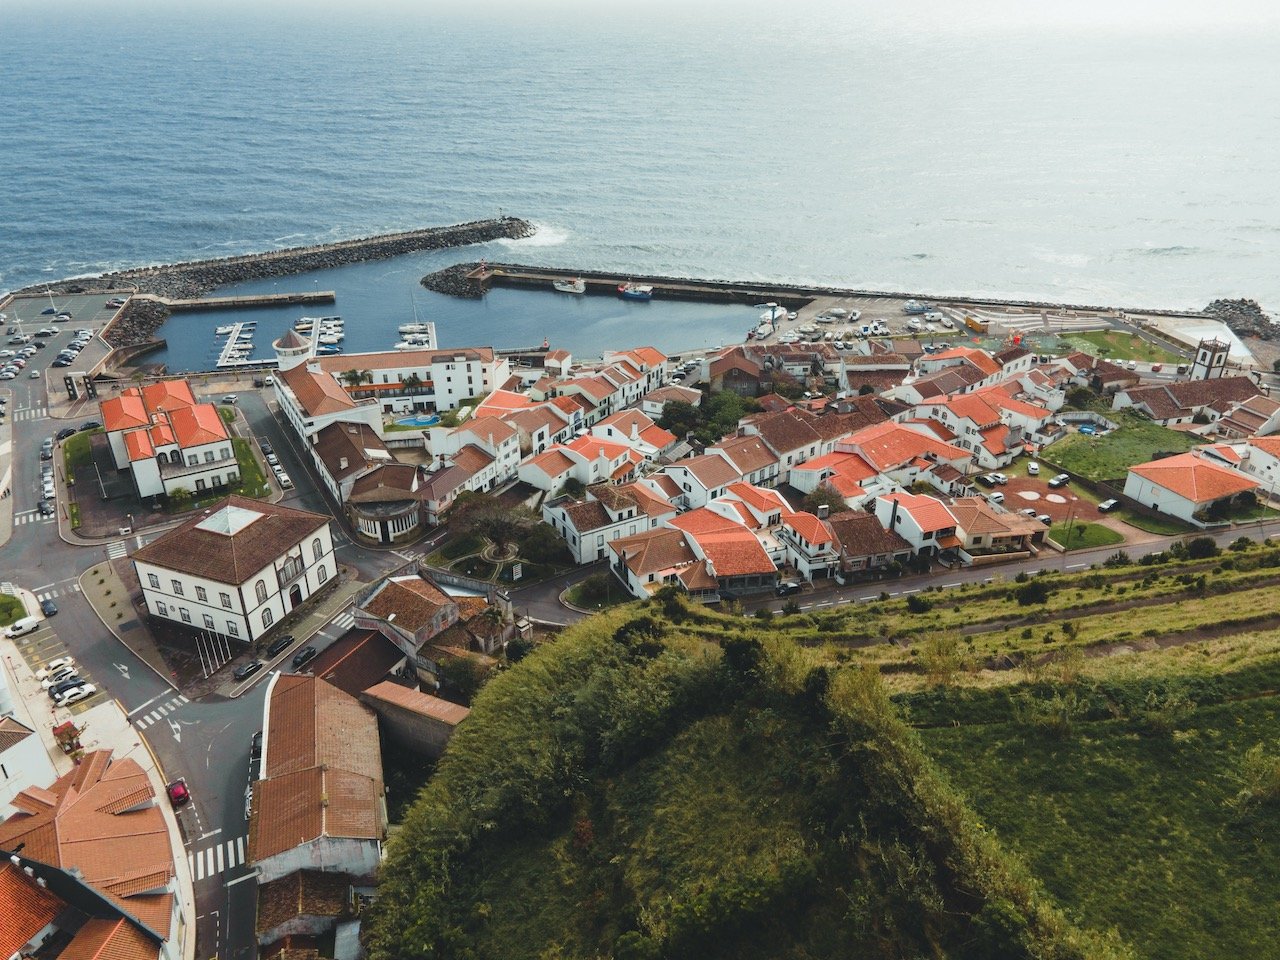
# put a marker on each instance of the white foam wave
(544, 235)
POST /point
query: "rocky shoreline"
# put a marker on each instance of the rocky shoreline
(196, 278)
(1244, 317)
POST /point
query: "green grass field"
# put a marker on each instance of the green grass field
(1109, 458)
(75, 450)
(1118, 345)
(1084, 536)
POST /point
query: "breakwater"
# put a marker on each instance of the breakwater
(194, 278)
(470, 280)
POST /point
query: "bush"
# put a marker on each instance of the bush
(1032, 592)
(1117, 559)
(1241, 543)
(1201, 548)
(1259, 779)
(918, 604)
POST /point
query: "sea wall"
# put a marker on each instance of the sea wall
(179, 281)
(141, 317)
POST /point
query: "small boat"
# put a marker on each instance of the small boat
(223, 331)
(576, 285)
(824, 318)
(415, 328)
(635, 291)
(840, 312)
(808, 329)
(915, 307)
(328, 350)
(329, 339)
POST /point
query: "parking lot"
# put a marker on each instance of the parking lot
(44, 645)
(38, 329)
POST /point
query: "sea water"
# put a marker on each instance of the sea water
(1103, 153)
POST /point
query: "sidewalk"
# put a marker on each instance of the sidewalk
(105, 727)
(6, 470)
(111, 601)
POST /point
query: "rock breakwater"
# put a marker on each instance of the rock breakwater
(1244, 317)
(453, 282)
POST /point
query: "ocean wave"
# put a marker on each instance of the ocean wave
(544, 235)
(1174, 251)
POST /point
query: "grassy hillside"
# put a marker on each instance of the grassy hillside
(637, 792)
(1065, 766)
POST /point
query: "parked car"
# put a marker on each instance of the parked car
(247, 670)
(230, 398)
(787, 587)
(46, 508)
(987, 480)
(46, 449)
(996, 497)
(1000, 478)
(58, 689)
(264, 445)
(285, 482)
(255, 746)
(64, 433)
(48, 608)
(303, 657)
(273, 460)
(1033, 469)
(53, 666)
(1061, 480)
(1045, 519)
(61, 675)
(1028, 511)
(1106, 506)
(90, 425)
(280, 644)
(75, 695)
(178, 793)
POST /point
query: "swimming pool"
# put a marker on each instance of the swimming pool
(419, 420)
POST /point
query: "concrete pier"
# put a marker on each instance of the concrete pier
(192, 305)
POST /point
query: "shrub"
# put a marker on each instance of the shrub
(1241, 543)
(791, 607)
(918, 604)
(1259, 779)
(1117, 559)
(1032, 592)
(1201, 548)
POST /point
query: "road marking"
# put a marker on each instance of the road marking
(177, 731)
(240, 848)
(1076, 566)
(218, 850)
(169, 706)
(206, 836)
(124, 671)
(247, 876)
(211, 861)
(947, 586)
(117, 550)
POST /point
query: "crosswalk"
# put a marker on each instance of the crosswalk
(58, 591)
(343, 621)
(31, 413)
(217, 859)
(117, 550)
(31, 516)
(166, 708)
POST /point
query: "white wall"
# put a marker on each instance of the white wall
(24, 764)
(1158, 498)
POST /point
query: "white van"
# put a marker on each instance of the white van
(20, 628)
(285, 482)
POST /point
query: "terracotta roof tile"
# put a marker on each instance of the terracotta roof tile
(861, 535)
(1193, 478)
(416, 602)
(317, 393)
(110, 940)
(402, 359)
(123, 412)
(710, 469)
(26, 908)
(809, 527)
(196, 548)
(929, 514)
(418, 702)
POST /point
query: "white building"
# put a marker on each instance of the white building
(1185, 485)
(23, 761)
(238, 568)
(167, 441)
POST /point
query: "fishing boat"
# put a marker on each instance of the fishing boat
(576, 285)
(635, 291)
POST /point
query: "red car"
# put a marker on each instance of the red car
(178, 792)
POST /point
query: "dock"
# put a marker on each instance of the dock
(227, 356)
(242, 302)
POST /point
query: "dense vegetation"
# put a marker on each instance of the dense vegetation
(1062, 766)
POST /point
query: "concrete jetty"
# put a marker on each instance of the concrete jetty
(192, 305)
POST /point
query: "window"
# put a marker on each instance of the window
(153, 580)
(322, 574)
(161, 608)
(316, 550)
(217, 480)
(267, 618)
(261, 589)
(192, 460)
(201, 594)
(233, 628)
(208, 456)
(177, 587)
(200, 484)
(226, 600)
(185, 614)
(208, 622)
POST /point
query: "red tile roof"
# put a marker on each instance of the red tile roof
(1193, 478)
(124, 412)
(889, 445)
(197, 424)
(928, 513)
(418, 702)
(26, 908)
(317, 393)
(168, 395)
(809, 527)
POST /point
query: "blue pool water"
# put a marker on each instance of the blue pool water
(419, 421)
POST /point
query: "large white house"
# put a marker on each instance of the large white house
(167, 441)
(238, 568)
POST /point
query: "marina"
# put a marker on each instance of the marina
(237, 349)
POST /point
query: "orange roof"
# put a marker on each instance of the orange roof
(928, 513)
(979, 358)
(648, 356)
(318, 393)
(734, 552)
(845, 486)
(888, 445)
(703, 520)
(168, 395)
(593, 448)
(1269, 445)
(418, 702)
(809, 527)
(758, 497)
(161, 433)
(553, 462)
(109, 940)
(124, 412)
(654, 551)
(503, 401)
(1193, 478)
(710, 469)
(973, 407)
(137, 445)
(26, 907)
(197, 425)
(490, 429)
(841, 463)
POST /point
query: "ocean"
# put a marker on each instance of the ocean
(1084, 154)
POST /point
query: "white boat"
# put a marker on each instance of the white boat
(824, 318)
(415, 328)
(791, 315)
(329, 339)
(808, 329)
(764, 330)
(576, 285)
(223, 331)
(829, 336)
(840, 312)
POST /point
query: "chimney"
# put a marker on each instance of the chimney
(342, 463)
(823, 510)
(635, 429)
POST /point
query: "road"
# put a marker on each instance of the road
(206, 741)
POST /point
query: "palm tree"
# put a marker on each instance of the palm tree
(352, 377)
(412, 383)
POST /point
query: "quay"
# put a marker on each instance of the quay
(193, 304)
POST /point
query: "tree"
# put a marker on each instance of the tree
(1081, 398)
(679, 417)
(1035, 591)
(412, 383)
(785, 385)
(354, 378)
(865, 389)
(483, 515)
(824, 497)
(179, 496)
(1202, 548)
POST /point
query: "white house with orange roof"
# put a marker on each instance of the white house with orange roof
(733, 553)
(752, 458)
(1186, 486)
(651, 363)
(1260, 458)
(847, 473)
(167, 441)
(702, 478)
(605, 514)
(904, 453)
(812, 549)
(648, 561)
(923, 521)
(586, 459)
(444, 378)
(637, 431)
(499, 440)
(654, 402)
